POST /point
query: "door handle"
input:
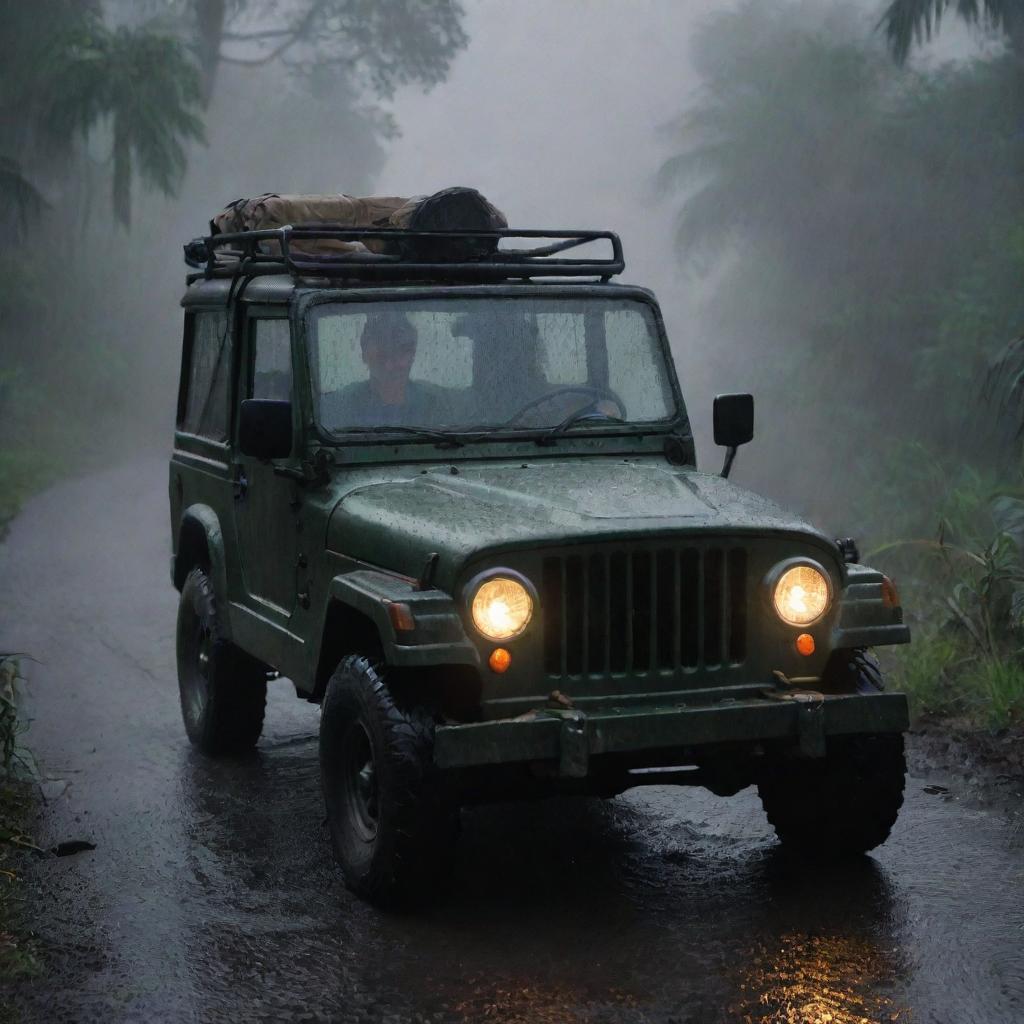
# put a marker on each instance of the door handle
(241, 486)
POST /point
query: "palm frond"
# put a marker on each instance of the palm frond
(20, 200)
(906, 22)
(1004, 386)
(143, 84)
(157, 117)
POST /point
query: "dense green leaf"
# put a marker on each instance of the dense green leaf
(20, 201)
(144, 88)
(906, 22)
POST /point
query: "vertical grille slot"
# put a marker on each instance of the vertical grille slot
(609, 612)
(714, 599)
(575, 613)
(618, 612)
(641, 622)
(737, 605)
(598, 624)
(666, 601)
(552, 596)
(689, 608)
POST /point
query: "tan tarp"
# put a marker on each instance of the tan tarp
(274, 211)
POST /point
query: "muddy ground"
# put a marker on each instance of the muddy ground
(211, 894)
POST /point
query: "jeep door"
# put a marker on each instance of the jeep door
(266, 506)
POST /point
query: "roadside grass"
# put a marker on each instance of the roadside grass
(925, 670)
(997, 690)
(24, 472)
(945, 679)
(17, 956)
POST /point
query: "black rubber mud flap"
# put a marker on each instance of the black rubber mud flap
(811, 724)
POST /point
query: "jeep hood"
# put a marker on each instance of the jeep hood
(465, 511)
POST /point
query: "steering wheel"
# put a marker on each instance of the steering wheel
(596, 395)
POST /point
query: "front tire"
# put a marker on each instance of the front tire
(223, 690)
(841, 805)
(392, 824)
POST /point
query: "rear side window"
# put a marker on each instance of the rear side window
(205, 406)
(272, 360)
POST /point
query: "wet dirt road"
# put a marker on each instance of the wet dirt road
(211, 895)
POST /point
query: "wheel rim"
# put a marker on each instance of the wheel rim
(359, 783)
(195, 688)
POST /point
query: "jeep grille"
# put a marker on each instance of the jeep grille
(628, 611)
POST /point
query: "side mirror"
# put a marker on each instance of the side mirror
(265, 428)
(734, 424)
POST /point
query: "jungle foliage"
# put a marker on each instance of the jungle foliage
(104, 111)
(17, 956)
(909, 22)
(860, 223)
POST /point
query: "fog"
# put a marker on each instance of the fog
(563, 114)
(557, 112)
(554, 111)
(831, 219)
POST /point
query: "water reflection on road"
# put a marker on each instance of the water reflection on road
(211, 895)
(654, 904)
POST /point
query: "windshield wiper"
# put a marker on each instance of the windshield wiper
(586, 413)
(444, 438)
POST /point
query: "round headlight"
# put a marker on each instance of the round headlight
(801, 595)
(502, 608)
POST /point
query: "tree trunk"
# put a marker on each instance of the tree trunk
(1014, 25)
(209, 15)
(121, 191)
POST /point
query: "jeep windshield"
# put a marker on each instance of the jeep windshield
(428, 368)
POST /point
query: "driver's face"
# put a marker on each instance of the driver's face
(389, 361)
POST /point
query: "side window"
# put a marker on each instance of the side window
(205, 408)
(272, 360)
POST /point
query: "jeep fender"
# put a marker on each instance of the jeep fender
(200, 541)
(866, 618)
(415, 627)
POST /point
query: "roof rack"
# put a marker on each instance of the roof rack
(413, 255)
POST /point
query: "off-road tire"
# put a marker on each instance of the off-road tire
(841, 805)
(223, 690)
(391, 821)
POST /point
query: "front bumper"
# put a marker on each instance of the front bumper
(571, 737)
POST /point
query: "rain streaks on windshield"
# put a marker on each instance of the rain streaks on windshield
(464, 364)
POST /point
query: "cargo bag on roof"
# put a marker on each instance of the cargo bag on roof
(453, 209)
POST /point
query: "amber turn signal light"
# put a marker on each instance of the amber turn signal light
(500, 660)
(805, 643)
(401, 617)
(890, 595)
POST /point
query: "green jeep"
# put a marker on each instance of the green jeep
(451, 493)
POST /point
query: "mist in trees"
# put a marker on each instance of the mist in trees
(857, 219)
(851, 214)
(910, 22)
(124, 127)
(861, 222)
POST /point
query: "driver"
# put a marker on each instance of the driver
(387, 397)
